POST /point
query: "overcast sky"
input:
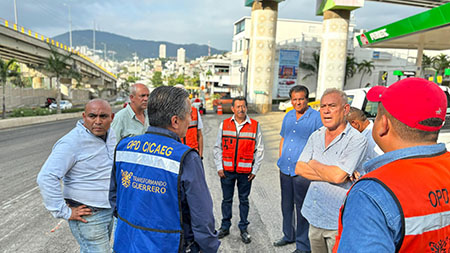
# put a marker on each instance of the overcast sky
(177, 21)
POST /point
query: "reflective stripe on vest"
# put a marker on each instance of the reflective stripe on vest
(238, 148)
(419, 186)
(148, 160)
(427, 223)
(191, 138)
(148, 170)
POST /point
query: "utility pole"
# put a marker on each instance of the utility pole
(209, 48)
(70, 27)
(104, 50)
(135, 64)
(15, 11)
(94, 38)
(70, 24)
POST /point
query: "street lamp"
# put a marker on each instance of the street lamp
(70, 24)
(15, 11)
(104, 49)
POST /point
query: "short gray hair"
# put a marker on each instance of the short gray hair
(356, 114)
(341, 94)
(164, 103)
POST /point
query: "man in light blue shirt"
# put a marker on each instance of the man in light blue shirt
(133, 119)
(329, 158)
(83, 159)
(298, 125)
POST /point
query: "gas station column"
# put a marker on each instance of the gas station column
(333, 52)
(262, 54)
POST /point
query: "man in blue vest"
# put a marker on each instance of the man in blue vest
(158, 184)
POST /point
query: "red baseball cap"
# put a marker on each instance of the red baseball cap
(411, 101)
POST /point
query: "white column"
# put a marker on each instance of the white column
(262, 55)
(333, 52)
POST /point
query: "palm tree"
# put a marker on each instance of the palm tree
(58, 66)
(350, 68)
(6, 71)
(365, 67)
(440, 63)
(313, 67)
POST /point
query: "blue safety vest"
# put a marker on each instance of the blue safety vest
(148, 169)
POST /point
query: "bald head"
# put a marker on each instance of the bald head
(97, 102)
(97, 117)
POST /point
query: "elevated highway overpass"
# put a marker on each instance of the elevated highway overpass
(33, 49)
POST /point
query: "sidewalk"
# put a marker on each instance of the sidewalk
(24, 121)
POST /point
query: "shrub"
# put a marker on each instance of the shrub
(27, 112)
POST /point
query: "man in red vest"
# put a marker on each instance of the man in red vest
(194, 135)
(403, 204)
(238, 154)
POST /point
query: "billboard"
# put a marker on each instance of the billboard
(287, 71)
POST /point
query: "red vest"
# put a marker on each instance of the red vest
(238, 148)
(191, 138)
(420, 187)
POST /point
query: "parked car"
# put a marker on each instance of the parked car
(358, 99)
(49, 101)
(65, 104)
(284, 105)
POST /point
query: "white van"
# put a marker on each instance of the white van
(357, 98)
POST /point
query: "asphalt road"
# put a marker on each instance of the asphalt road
(26, 226)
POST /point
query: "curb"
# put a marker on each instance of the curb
(25, 121)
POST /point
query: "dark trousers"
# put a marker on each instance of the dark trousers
(293, 192)
(244, 187)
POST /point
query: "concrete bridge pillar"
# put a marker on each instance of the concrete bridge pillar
(333, 51)
(262, 55)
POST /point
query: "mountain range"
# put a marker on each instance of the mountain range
(125, 47)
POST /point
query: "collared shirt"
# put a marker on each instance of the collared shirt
(83, 161)
(323, 199)
(196, 201)
(371, 214)
(296, 133)
(259, 146)
(199, 121)
(372, 148)
(126, 123)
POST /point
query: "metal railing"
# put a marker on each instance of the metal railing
(50, 41)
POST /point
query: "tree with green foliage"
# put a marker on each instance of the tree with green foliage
(157, 79)
(180, 79)
(440, 63)
(6, 71)
(57, 65)
(195, 80)
(132, 79)
(365, 67)
(171, 80)
(312, 68)
(350, 68)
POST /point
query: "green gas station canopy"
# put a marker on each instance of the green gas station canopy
(249, 3)
(430, 28)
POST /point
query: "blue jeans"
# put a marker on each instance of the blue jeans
(94, 236)
(293, 192)
(244, 187)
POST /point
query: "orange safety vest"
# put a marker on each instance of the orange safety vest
(238, 148)
(191, 138)
(420, 187)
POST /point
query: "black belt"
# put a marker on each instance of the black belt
(73, 203)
